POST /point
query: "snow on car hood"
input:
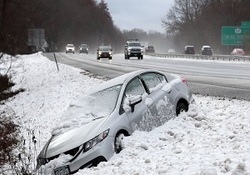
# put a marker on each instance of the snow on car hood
(82, 120)
(83, 111)
(73, 138)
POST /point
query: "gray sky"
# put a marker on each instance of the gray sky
(142, 14)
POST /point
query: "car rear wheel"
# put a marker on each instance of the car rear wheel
(181, 107)
(118, 142)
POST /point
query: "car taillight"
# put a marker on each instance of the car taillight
(184, 81)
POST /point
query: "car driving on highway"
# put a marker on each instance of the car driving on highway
(70, 48)
(238, 51)
(189, 49)
(104, 52)
(83, 48)
(133, 48)
(92, 128)
(206, 50)
(150, 49)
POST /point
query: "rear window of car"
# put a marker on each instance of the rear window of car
(153, 80)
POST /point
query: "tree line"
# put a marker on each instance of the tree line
(64, 21)
(199, 22)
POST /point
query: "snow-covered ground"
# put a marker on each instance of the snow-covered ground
(211, 139)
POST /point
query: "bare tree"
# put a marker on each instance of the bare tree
(199, 21)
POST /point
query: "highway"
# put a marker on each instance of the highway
(229, 79)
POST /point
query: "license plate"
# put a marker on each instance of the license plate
(64, 170)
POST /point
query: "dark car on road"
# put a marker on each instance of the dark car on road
(150, 49)
(104, 52)
(189, 50)
(83, 48)
(206, 50)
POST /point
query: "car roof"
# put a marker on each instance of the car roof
(206, 46)
(238, 49)
(119, 80)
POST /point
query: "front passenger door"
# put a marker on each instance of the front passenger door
(133, 103)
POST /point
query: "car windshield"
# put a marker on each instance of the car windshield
(104, 48)
(70, 45)
(88, 108)
(207, 48)
(96, 105)
(134, 44)
(84, 45)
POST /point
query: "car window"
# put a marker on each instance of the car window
(105, 48)
(134, 88)
(153, 80)
(134, 44)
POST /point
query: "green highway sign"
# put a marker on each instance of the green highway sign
(234, 35)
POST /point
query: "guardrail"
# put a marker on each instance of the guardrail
(202, 57)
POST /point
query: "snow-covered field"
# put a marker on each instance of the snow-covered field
(211, 139)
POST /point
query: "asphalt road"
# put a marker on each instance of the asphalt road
(206, 77)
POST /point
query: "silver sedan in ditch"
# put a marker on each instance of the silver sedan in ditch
(92, 128)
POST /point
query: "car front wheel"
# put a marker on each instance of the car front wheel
(118, 142)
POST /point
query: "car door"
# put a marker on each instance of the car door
(159, 101)
(133, 104)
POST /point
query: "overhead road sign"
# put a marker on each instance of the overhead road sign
(234, 35)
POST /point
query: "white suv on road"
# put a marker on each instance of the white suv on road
(70, 48)
(133, 48)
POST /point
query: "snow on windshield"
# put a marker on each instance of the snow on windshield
(88, 108)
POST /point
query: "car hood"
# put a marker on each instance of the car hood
(66, 141)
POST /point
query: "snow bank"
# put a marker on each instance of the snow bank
(211, 139)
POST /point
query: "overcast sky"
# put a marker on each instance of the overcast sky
(142, 14)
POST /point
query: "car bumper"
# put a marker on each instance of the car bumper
(135, 54)
(100, 152)
(83, 51)
(72, 51)
(105, 55)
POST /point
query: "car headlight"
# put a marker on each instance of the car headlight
(91, 143)
(99, 53)
(110, 53)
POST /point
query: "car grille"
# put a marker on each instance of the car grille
(71, 152)
(135, 50)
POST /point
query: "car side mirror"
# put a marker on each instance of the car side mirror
(134, 101)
